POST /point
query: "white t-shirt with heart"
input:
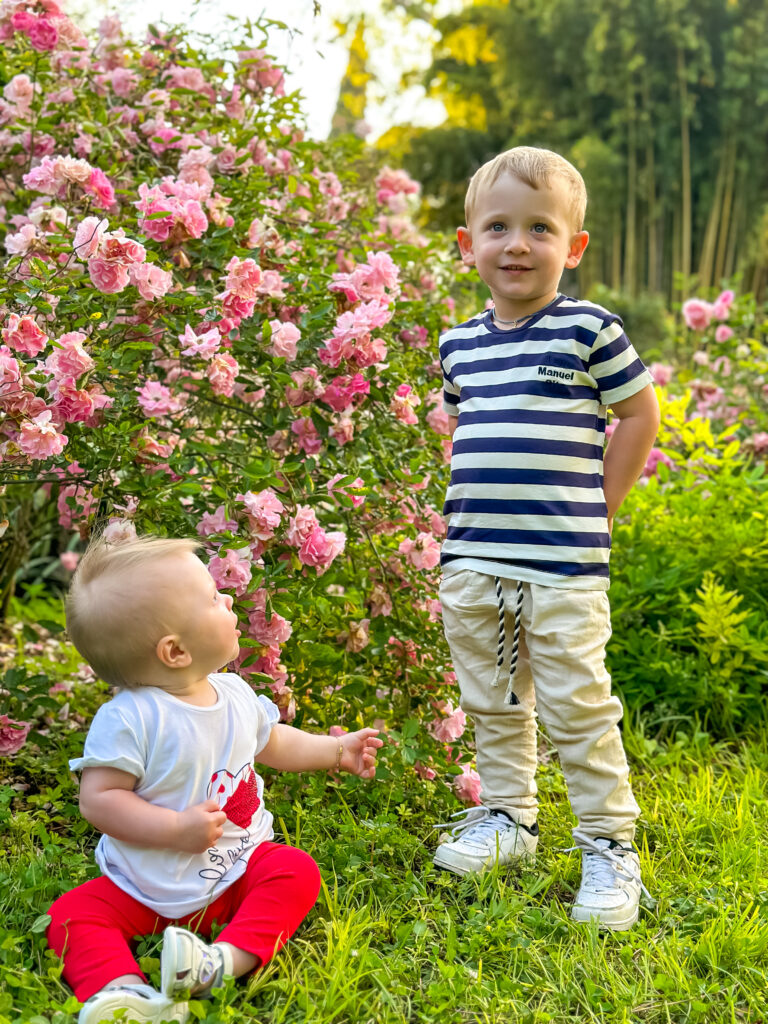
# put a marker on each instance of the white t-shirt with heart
(181, 755)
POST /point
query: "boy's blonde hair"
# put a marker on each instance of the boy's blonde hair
(535, 167)
(113, 622)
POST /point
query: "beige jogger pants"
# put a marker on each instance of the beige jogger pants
(561, 670)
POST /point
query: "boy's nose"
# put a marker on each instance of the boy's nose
(230, 601)
(517, 241)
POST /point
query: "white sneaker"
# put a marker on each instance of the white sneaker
(485, 838)
(189, 963)
(610, 884)
(139, 1003)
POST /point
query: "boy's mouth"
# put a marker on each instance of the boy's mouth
(515, 267)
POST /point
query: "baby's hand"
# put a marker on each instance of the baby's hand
(360, 751)
(199, 827)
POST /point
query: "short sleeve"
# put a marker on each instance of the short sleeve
(115, 740)
(616, 367)
(451, 393)
(269, 717)
(262, 712)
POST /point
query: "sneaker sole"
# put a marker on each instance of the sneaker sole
(106, 1008)
(622, 925)
(457, 869)
(169, 962)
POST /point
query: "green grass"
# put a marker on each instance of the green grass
(394, 940)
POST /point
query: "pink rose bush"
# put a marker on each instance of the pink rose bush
(211, 326)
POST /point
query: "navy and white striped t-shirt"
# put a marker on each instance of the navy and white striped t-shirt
(525, 500)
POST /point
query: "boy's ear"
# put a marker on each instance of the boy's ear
(464, 239)
(172, 652)
(576, 249)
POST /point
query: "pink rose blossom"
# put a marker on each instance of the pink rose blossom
(308, 387)
(109, 278)
(69, 560)
(270, 633)
(655, 457)
(451, 726)
(264, 510)
(403, 402)
(309, 439)
(20, 243)
(73, 405)
(68, 358)
(301, 525)
(156, 399)
(100, 188)
(39, 438)
(342, 430)
(116, 248)
(222, 371)
(204, 346)
(661, 373)
(243, 277)
(152, 281)
(119, 531)
(697, 314)
(722, 307)
(88, 237)
(232, 571)
(468, 785)
(760, 442)
(283, 340)
(23, 335)
(13, 735)
(43, 34)
(215, 522)
(320, 548)
(723, 333)
(74, 504)
(422, 553)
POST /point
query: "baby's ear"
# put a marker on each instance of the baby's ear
(464, 239)
(172, 653)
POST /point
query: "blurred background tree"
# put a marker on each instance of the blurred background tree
(658, 102)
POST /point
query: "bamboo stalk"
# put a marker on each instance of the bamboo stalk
(725, 220)
(685, 169)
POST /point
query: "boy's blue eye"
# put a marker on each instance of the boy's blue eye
(497, 226)
(540, 228)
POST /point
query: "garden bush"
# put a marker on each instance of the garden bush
(213, 326)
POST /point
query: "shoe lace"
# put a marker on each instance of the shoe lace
(477, 825)
(603, 864)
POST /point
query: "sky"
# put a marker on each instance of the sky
(316, 59)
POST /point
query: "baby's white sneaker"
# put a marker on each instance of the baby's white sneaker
(189, 963)
(140, 1003)
(485, 837)
(610, 884)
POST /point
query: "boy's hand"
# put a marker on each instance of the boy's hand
(360, 751)
(199, 827)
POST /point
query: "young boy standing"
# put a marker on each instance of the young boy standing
(168, 778)
(531, 502)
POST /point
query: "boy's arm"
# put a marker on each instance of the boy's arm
(292, 750)
(109, 803)
(629, 446)
(453, 422)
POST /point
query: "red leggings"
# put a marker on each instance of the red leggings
(92, 925)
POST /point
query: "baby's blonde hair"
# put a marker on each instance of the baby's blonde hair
(535, 167)
(110, 620)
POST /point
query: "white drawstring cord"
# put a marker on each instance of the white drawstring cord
(510, 696)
